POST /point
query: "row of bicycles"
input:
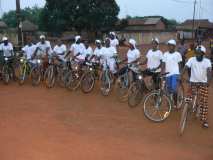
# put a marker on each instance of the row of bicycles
(129, 83)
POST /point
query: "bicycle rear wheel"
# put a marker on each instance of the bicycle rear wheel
(87, 82)
(134, 94)
(105, 83)
(157, 107)
(183, 119)
(36, 76)
(121, 89)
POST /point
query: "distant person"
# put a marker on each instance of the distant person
(200, 78)
(114, 41)
(190, 52)
(171, 64)
(182, 49)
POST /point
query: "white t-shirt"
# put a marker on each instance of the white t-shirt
(29, 50)
(43, 47)
(198, 69)
(114, 43)
(98, 51)
(88, 51)
(154, 59)
(172, 61)
(108, 53)
(78, 48)
(7, 49)
(133, 55)
(60, 50)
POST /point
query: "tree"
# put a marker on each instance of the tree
(31, 14)
(87, 15)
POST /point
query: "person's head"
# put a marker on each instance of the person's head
(86, 43)
(78, 39)
(107, 42)
(171, 45)
(155, 43)
(200, 52)
(59, 42)
(98, 43)
(29, 41)
(42, 39)
(5, 40)
(112, 35)
(132, 44)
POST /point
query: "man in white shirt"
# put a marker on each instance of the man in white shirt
(43, 47)
(154, 59)
(88, 50)
(60, 50)
(200, 77)
(77, 49)
(171, 65)
(29, 50)
(6, 47)
(114, 41)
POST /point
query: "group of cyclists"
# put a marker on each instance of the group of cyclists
(172, 63)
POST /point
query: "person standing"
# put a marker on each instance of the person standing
(171, 65)
(200, 78)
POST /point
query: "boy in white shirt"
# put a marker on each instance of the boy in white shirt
(29, 50)
(154, 59)
(171, 65)
(200, 77)
(43, 47)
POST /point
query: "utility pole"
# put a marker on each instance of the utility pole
(193, 23)
(18, 16)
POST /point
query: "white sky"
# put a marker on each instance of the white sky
(174, 9)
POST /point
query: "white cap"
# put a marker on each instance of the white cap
(98, 41)
(156, 40)
(112, 33)
(77, 38)
(42, 36)
(4, 39)
(201, 48)
(172, 42)
(132, 42)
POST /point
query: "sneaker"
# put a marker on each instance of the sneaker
(205, 125)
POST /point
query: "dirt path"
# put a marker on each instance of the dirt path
(42, 124)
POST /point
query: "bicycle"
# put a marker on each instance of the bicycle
(36, 73)
(137, 88)
(106, 80)
(24, 70)
(190, 107)
(54, 73)
(89, 76)
(158, 104)
(7, 70)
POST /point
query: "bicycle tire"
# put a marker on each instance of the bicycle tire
(50, 77)
(105, 84)
(159, 97)
(183, 119)
(85, 86)
(121, 92)
(6, 74)
(35, 76)
(134, 95)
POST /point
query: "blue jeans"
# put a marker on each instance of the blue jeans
(172, 83)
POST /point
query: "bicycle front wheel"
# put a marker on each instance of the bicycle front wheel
(35, 76)
(134, 94)
(157, 107)
(105, 84)
(50, 77)
(122, 88)
(87, 82)
(183, 119)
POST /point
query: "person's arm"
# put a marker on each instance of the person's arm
(209, 75)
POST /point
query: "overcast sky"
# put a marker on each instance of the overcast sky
(174, 9)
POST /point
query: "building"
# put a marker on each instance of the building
(203, 29)
(144, 29)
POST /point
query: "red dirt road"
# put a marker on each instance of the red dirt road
(42, 124)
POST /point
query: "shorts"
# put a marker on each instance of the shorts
(172, 83)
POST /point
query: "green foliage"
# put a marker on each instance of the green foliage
(31, 14)
(89, 15)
